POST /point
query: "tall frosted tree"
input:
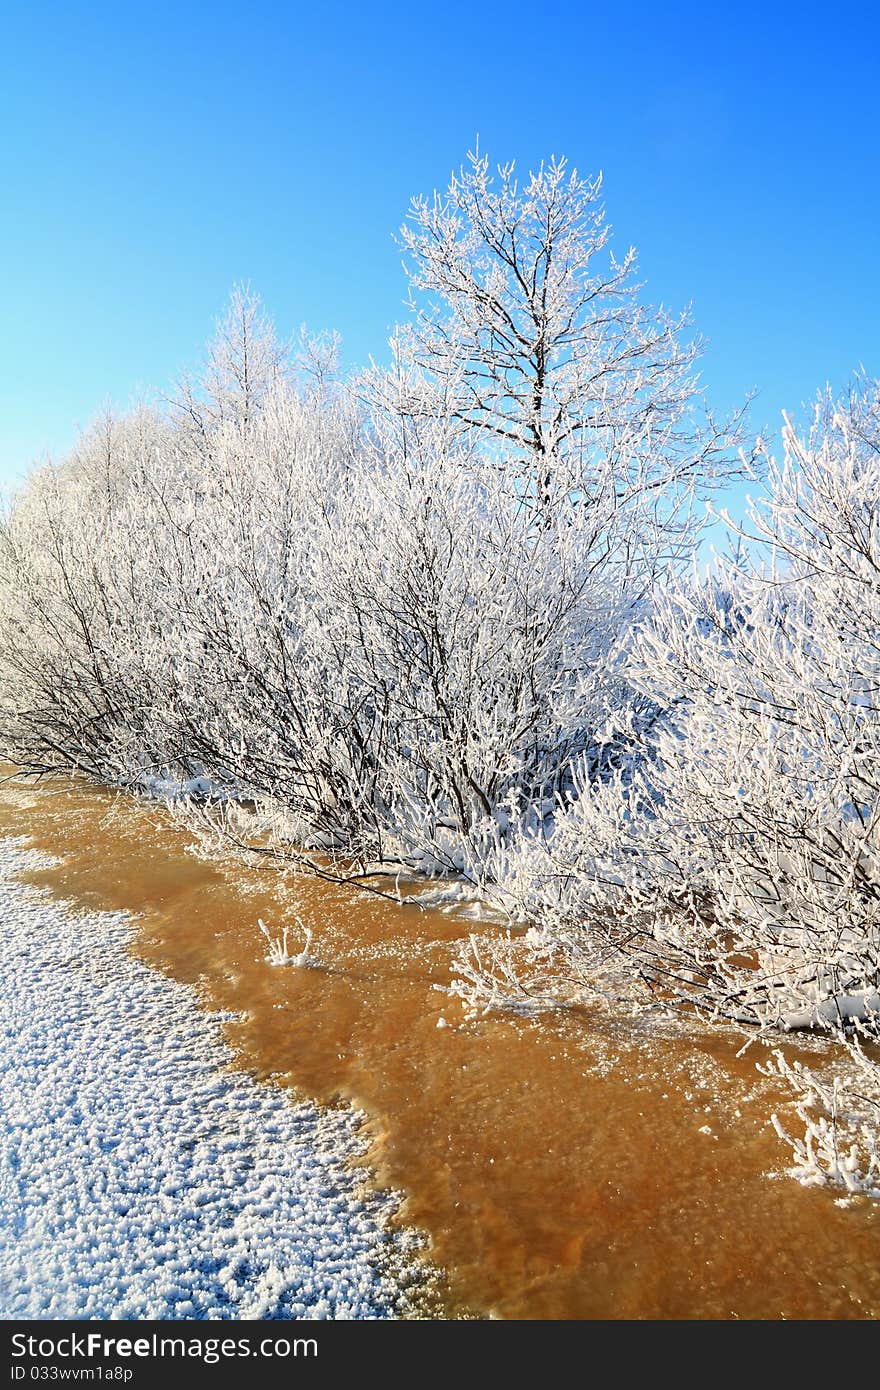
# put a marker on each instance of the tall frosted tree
(528, 330)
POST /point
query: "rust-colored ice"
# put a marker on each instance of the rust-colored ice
(563, 1168)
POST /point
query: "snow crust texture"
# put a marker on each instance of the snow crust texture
(139, 1176)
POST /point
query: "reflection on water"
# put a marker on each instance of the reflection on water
(564, 1168)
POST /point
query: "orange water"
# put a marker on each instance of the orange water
(557, 1165)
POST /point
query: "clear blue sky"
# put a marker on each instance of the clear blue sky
(153, 154)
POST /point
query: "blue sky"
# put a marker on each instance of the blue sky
(153, 155)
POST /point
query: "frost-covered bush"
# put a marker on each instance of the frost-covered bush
(74, 690)
(729, 862)
(248, 694)
(733, 865)
(483, 644)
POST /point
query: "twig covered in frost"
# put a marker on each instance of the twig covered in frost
(840, 1115)
(278, 952)
(488, 977)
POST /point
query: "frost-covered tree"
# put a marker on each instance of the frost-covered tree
(568, 407)
(245, 361)
(528, 331)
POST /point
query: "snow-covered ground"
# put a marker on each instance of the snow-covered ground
(139, 1175)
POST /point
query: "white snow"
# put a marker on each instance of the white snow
(139, 1175)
